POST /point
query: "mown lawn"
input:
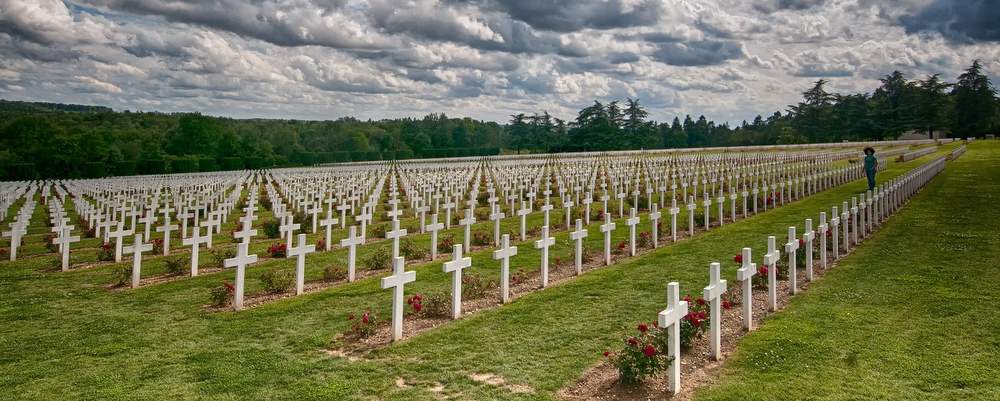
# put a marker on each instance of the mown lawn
(62, 336)
(912, 315)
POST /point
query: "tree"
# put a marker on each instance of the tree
(975, 104)
(934, 105)
(518, 132)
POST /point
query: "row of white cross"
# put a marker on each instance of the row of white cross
(873, 208)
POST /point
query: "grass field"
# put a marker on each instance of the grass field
(911, 315)
(62, 336)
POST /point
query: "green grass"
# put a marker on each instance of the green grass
(62, 336)
(911, 315)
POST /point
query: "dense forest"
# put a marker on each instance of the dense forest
(929, 106)
(44, 140)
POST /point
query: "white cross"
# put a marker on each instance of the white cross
(246, 233)
(654, 217)
(771, 261)
(434, 227)
(670, 319)
(300, 253)
(468, 221)
(823, 227)
(288, 228)
(17, 230)
(632, 221)
(791, 248)
(240, 262)
(835, 232)
(504, 254)
(691, 206)
(496, 216)
(544, 243)
(166, 228)
(607, 228)
(546, 208)
(395, 234)
(523, 213)
(674, 211)
(351, 242)
(713, 294)
(455, 267)
(194, 242)
(328, 224)
(63, 240)
(118, 235)
(808, 236)
(136, 249)
(578, 236)
(397, 281)
(745, 276)
(707, 205)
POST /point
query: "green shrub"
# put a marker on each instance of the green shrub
(380, 259)
(276, 281)
(642, 355)
(222, 295)
(121, 275)
(271, 227)
(175, 266)
(409, 249)
(219, 257)
(334, 273)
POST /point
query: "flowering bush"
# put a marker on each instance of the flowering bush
(158, 246)
(432, 305)
(334, 273)
(481, 238)
(415, 303)
(363, 326)
(272, 229)
(106, 252)
(645, 240)
(48, 242)
(738, 259)
(445, 244)
(220, 256)
(222, 295)
(379, 259)
(277, 250)
(730, 300)
(642, 355)
(475, 286)
(121, 275)
(620, 248)
(695, 323)
(276, 281)
(410, 250)
(174, 266)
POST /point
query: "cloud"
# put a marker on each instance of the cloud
(573, 15)
(959, 20)
(707, 52)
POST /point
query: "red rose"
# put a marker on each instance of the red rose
(696, 322)
(727, 304)
(701, 301)
(632, 341)
(643, 328)
(738, 258)
(607, 354)
(417, 307)
(802, 242)
(649, 351)
(687, 298)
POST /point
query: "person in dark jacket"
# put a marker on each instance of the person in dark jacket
(871, 165)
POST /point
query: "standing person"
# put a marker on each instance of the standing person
(871, 165)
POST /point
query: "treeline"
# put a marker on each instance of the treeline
(929, 106)
(39, 140)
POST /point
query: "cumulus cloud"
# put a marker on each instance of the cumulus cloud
(480, 58)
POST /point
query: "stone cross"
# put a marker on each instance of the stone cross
(136, 249)
(195, 242)
(745, 275)
(496, 216)
(240, 262)
(578, 236)
(455, 267)
(467, 222)
(504, 253)
(118, 234)
(63, 241)
(300, 253)
(546, 208)
(771, 261)
(352, 241)
(607, 228)
(568, 207)
(654, 218)
(808, 237)
(791, 248)
(523, 213)
(670, 319)
(328, 224)
(631, 222)
(707, 206)
(713, 294)
(288, 228)
(395, 235)
(434, 227)
(245, 233)
(835, 232)
(691, 206)
(544, 243)
(399, 278)
(823, 227)
(166, 229)
(674, 210)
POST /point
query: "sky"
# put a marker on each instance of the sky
(486, 59)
